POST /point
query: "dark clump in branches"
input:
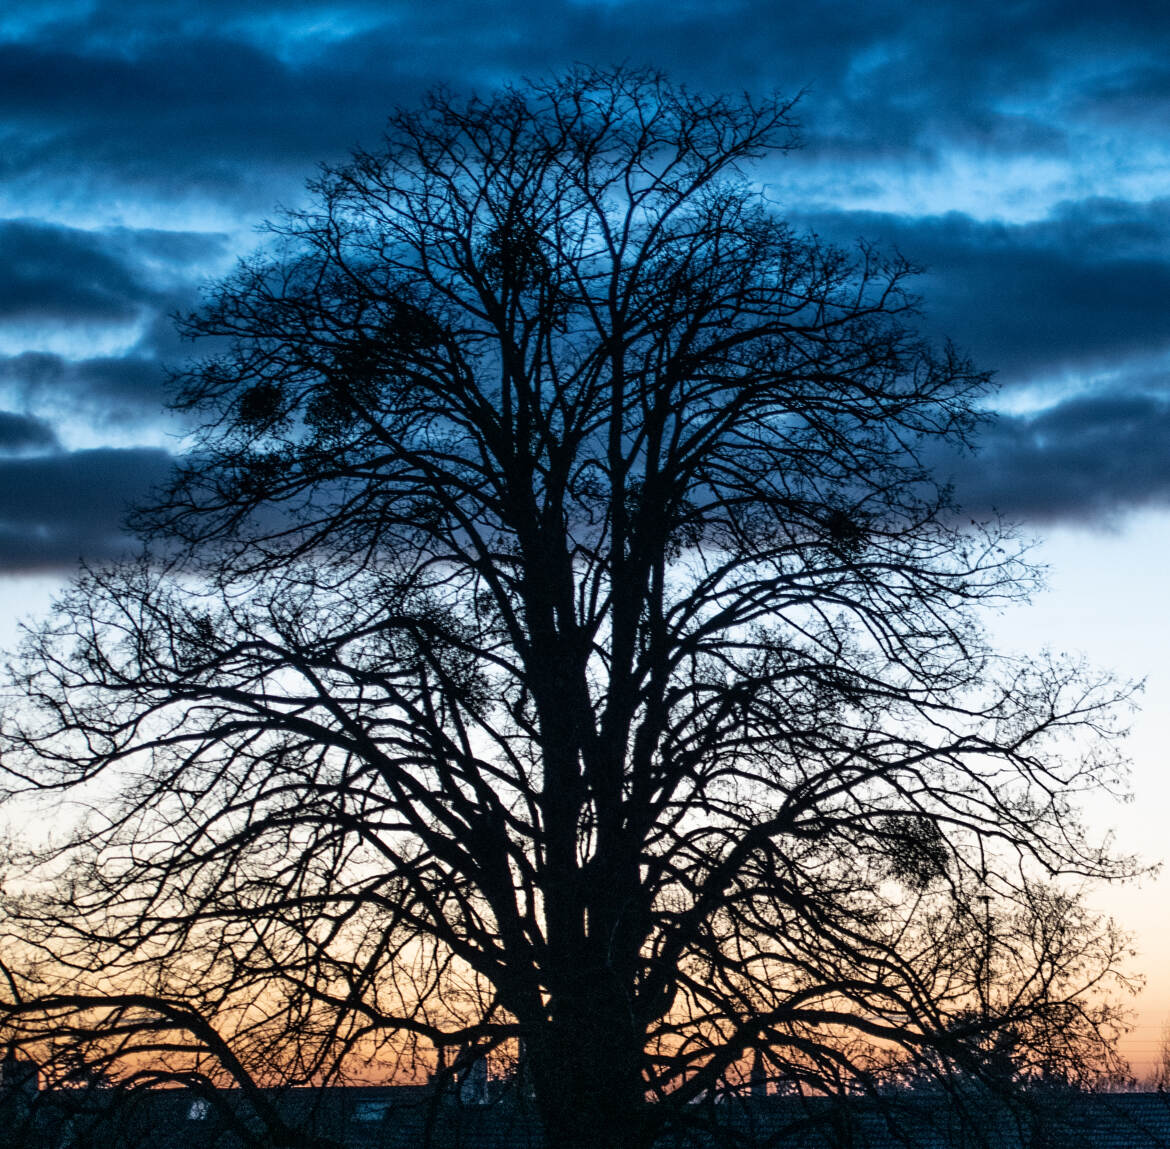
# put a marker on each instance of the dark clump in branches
(557, 647)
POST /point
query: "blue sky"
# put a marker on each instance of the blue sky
(1019, 151)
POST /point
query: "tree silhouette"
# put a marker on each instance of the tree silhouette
(556, 641)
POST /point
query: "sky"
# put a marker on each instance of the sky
(1018, 151)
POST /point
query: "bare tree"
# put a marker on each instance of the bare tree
(557, 641)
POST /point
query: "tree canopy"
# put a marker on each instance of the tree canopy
(558, 644)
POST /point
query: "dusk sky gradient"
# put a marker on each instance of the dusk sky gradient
(1020, 152)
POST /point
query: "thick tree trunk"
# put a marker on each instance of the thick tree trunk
(586, 1071)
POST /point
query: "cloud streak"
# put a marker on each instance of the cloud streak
(58, 508)
(1086, 286)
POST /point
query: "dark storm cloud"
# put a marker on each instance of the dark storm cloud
(1138, 95)
(50, 272)
(74, 280)
(20, 433)
(204, 114)
(170, 109)
(57, 508)
(106, 389)
(1080, 299)
(1087, 285)
(1000, 79)
(217, 94)
(1088, 458)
